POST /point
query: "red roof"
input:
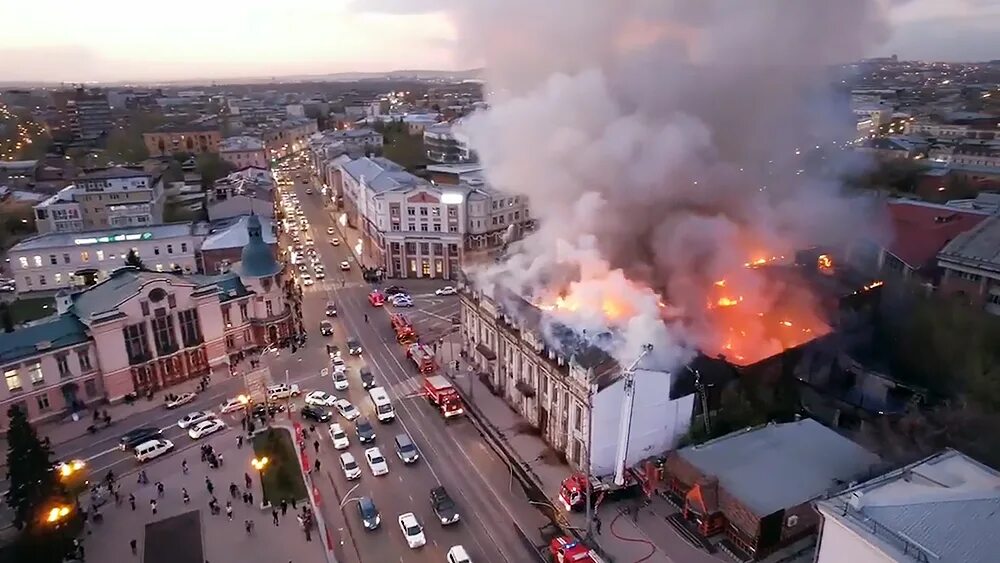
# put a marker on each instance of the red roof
(922, 229)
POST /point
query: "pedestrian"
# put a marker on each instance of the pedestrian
(366, 317)
(284, 506)
(233, 489)
(110, 478)
(249, 526)
(316, 445)
(219, 459)
(246, 499)
(243, 423)
(229, 510)
(184, 493)
(597, 525)
(184, 466)
(247, 480)
(131, 501)
(239, 442)
(209, 485)
(134, 545)
(274, 515)
(118, 498)
(308, 534)
(293, 504)
(317, 464)
(152, 505)
(250, 496)
(159, 489)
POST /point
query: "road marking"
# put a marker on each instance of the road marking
(435, 315)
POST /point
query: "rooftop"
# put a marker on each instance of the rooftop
(241, 143)
(381, 174)
(349, 133)
(778, 466)
(232, 233)
(82, 238)
(923, 229)
(979, 247)
(943, 508)
(57, 331)
(186, 128)
(114, 172)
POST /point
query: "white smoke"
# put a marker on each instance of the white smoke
(661, 145)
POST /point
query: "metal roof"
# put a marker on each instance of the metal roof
(59, 331)
(979, 246)
(942, 508)
(61, 240)
(381, 174)
(257, 259)
(233, 233)
(778, 466)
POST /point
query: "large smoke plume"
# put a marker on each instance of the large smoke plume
(662, 145)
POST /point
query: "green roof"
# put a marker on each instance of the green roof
(257, 260)
(60, 331)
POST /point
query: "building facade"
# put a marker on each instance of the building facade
(191, 139)
(140, 332)
(443, 147)
(244, 151)
(571, 392)
(287, 137)
(971, 265)
(115, 197)
(72, 260)
(89, 114)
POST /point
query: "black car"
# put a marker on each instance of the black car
(443, 506)
(133, 438)
(326, 328)
(353, 346)
(272, 408)
(366, 433)
(393, 290)
(367, 379)
(370, 517)
(315, 414)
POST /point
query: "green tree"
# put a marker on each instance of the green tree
(33, 481)
(133, 259)
(212, 167)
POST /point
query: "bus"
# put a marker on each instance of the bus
(383, 406)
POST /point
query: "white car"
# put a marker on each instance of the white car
(231, 405)
(205, 428)
(282, 391)
(412, 530)
(194, 418)
(320, 399)
(338, 436)
(446, 290)
(307, 280)
(335, 241)
(376, 462)
(182, 399)
(350, 466)
(346, 409)
(402, 301)
(329, 230)
(340, 382)
(458, 554)
(345, 265)
(338, 364)
(320, 274)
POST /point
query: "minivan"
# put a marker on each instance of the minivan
(152, 449)
(405, 449)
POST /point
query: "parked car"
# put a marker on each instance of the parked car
(402, 300)
(315, 413)
(340, 382)
(193, 418)
(271, 408)
(136, 436)
(413, 532)
(152, 449)
(205, 428)
(443, 506)
(232, 405)
(446, 290)
(376, 462)
(320, 399)
(393, 290)
(458, 554)
(370, 518)
(182, 399)
(282, 391)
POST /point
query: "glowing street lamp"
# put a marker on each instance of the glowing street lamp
(57, 514)
(259, 464)
(68, 468)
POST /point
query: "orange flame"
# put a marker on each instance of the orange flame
(727, 302)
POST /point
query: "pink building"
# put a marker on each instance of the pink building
(141, 331)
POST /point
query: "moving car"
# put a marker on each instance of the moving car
(137, 436)
(338, 364)
(338, 437)
(193, 418)
(271, 408)
(366, 433)
(340, 382)
(231, 405)
(335, 241)
(376, 299)
(315, 413)
(458, 554)
(393, 290)
(346, 409)
(376, 462)
(205, 428)
(370, 517)
(326, 328)
(412, 530)
(320, 273)
(307, 279)
(320, 399)
(446, 290)
(283, 391)
(443, 506)
(331, 309)
(350, 466)
(367, 379)
(329, 230)
(353, 346)
(182, 399)
(345, 265)
(406, 450)
(152, 449)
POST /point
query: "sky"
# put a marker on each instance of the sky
(119, 40)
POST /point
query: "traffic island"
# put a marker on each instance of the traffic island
(277, 466)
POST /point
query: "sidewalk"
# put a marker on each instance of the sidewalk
(622, 537)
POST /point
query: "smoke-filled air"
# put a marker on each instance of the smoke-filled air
(668, 148)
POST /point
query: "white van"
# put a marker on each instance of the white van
(152, 449)
(383, 406)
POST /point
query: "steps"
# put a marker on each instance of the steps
(678, 523)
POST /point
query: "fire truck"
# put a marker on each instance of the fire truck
(405, 333)
(565, 549)
(422, 356)
(443, 395)
(376, 298)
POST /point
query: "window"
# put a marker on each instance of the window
(437, 227)
(43, 402)
(53, 260)
(578, 416)
(58, 278)
(170, 249)
(452, 228)
(243, 311)
(425, 248)
(395, 225)
(35, 373)
(452, 211)
(84, 357)
(230, 342)
(438, 248)
(62, 362)
(171, 301)
(163, 332)
(411, 226)
(100, 255)
(156, 250)
(90, 388)
(423, 211)
(423, 227)
(41, 279)
(267, 306)
(85, 256)
(190, 327)
(13, 380)
(144, 307)
(436, 211)
(24, 262)
(425, 268)
(247, 337)
(65, 258)
(184, 247)
(135, 343)
(411, 211)
(38, 261)
(225, 317)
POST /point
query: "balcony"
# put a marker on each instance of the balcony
(167, 348)
(139, 358)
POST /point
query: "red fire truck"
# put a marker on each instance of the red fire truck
(442, 394)
(405, 333)
(422, 356)
(376, 298)
(573, 491)
(565, 549)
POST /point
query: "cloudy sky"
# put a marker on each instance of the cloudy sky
(111, 40)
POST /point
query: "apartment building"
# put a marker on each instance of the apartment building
(411, 228)
(494, 217)
(357, 142)
(287, 137)
(970, 263)
(244, 151)
(444, 147)
(89, 114)
(55, 261)
(191, 138)
(116, 197)
(568, 389)
(141, 331)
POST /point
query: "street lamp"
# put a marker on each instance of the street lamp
(57, 514)
(259, 464)
(68, 468)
